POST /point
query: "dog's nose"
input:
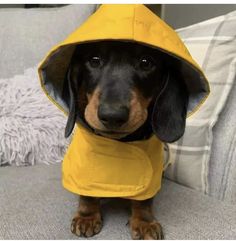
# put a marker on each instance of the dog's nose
(113, 116)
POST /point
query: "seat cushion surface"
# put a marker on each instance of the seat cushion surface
(34, 205)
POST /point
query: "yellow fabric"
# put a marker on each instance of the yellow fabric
(129, 22)
(100, 167)
(97, 166)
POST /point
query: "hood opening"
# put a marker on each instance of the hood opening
(53, 75)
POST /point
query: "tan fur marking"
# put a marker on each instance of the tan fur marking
(138, 113)
(92, 108)
(142, 222)
(88, 220)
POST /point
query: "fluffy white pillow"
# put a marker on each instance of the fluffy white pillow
(31, 127)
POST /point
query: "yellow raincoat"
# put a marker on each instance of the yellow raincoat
(95, 165)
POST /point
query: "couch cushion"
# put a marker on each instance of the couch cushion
(34, 206)
(212, 43)
(27, 34)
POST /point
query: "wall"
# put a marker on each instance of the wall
(180, 15)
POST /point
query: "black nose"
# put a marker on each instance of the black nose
(113, 116)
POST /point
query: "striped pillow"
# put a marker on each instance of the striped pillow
(212, 44)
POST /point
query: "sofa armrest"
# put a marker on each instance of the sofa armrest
(222, 174)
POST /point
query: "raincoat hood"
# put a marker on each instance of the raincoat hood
(125, 23)
(97, 166)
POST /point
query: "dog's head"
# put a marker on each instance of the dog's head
(115, 88)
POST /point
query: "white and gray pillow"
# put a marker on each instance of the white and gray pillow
(213, 45)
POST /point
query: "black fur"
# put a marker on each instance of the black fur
(72, 106)
(118, 74)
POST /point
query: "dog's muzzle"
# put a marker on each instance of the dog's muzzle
(113, 116)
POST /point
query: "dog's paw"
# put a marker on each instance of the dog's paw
(86, 226)
(141, 229)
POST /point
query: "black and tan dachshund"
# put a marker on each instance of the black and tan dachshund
(125, 91)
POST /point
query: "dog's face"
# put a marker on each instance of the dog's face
(119, 80)
(114, 84)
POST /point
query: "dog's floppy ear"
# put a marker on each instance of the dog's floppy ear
(72, 107)
(170, 108)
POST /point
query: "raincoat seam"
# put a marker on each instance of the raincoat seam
(133, 23)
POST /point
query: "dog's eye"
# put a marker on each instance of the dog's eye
(146, 63)
(95, 61)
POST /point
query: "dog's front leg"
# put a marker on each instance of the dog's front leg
(142, 222)
(88, 220)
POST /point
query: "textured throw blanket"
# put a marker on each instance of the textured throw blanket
(31, 127)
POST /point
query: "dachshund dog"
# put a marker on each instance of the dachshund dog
(125, 91)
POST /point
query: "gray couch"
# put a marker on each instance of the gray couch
(33, 204)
